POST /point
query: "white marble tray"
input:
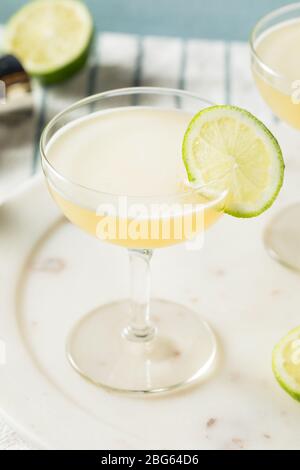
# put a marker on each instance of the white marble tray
(51, 273)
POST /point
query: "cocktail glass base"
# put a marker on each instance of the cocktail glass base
(181, 352)
(282, 237)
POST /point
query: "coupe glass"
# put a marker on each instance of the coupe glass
(137, 345)
(283, 233)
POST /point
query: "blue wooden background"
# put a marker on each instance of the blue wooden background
(223, 19)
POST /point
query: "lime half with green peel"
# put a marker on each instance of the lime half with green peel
(286, 363)
(51, 38)
(229, 144)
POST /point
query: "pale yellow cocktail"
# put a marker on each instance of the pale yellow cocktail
(100, 151)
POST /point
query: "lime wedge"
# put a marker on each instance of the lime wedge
(286, 363)
(230, 144)
(51, 38)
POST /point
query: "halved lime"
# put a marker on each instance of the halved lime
(229, 143)
(286, 363)
(51, 38)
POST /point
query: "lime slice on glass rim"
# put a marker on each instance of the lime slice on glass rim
(51, 38)
(229, 143)
(286, 363)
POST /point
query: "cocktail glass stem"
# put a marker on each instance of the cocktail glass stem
(140, 328)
